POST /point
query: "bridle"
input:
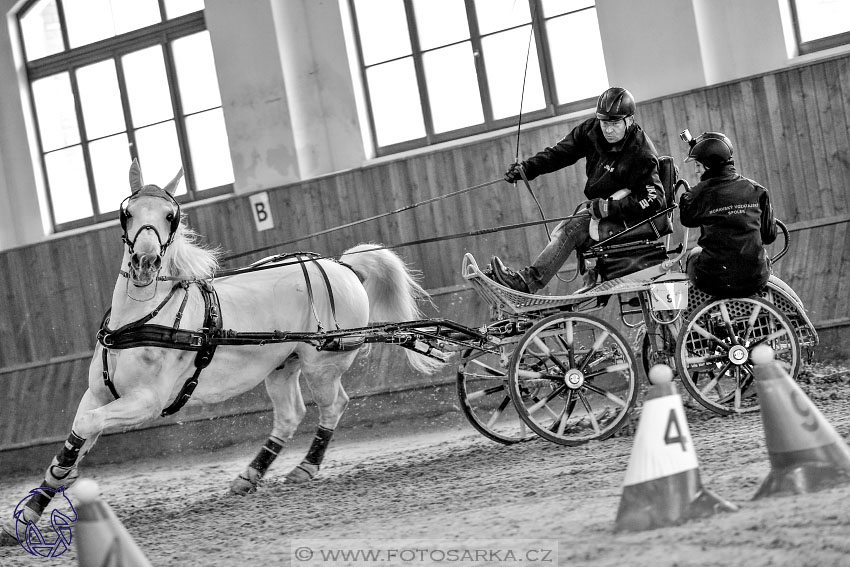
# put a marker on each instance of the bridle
(124, 216)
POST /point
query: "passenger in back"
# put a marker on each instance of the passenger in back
(735, 218)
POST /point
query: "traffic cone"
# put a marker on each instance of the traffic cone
(101, 538)
(662, 485)
(806, 453)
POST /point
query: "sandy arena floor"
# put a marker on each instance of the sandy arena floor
(436, 480)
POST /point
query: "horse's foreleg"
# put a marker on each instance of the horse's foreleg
(61, 473)
(332, 401)
(285, 393)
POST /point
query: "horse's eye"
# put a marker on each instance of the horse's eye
(170, 217)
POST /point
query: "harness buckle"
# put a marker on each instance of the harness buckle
(197, 340)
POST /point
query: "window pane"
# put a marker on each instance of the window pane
(507, 50)
(110, 158)
(69, 189)
(440, 22)
(210, 151)
(176, 8)
(396, 106)
(89, 21)
(135, 15)
(147, 86)
(100, 99)
(578, 78)
(159, 154)
(196, 77)
(495, 15)
(54, 106)
(453, 87)
(557, 7)
(822, 18)
(383, 30)
(41, 31)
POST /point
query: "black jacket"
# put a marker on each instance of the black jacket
(631, 164)
(736, 221)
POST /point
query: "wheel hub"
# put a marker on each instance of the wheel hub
(574, 379)
(738, 355)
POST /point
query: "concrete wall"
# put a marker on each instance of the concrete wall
(21, 212)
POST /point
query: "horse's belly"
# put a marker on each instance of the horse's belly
(236, 370)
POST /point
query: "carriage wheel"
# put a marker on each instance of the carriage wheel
(714, 346)
(582, 374)
(482, 387)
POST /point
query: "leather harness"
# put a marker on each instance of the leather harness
(205, 340)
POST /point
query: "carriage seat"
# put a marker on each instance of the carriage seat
(640, 247)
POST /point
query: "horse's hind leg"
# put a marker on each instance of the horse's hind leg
(285, 393)
(325, 384)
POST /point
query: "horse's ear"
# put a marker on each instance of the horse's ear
(136, 182)
(172, 185)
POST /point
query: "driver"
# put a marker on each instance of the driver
(735, 218)
(622, 184)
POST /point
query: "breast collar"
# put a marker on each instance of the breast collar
(141, 333)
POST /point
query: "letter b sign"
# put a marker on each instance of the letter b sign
(262, 211)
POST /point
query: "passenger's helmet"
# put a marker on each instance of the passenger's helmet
(712, 149)
(615, 104)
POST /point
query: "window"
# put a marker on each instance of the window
(821, 24)
(112, 80)
(436, 70)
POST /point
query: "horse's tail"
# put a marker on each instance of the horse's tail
(393, 292)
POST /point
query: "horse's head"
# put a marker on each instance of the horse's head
(150, 217)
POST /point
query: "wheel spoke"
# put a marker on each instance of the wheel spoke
(568, 343)
(703, 359)
(751, 323)
(727, 321)
(478, 394)
(594, 349)
(614, 398)
(713, 383)
(781, 332)
(488, 368)
(548, 354)
(497, 413)
(700, 330)
(543, 403)
(589, 410)
(737, 402)
(536, 375)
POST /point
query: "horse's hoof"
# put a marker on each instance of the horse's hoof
(305, 472)
(7, 539)
(242, 486)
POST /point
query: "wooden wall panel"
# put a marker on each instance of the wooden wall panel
(791, 131)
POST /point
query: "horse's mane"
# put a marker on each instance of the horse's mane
(186, 258)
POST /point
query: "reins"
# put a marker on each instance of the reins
(361, 221)
(270, 263)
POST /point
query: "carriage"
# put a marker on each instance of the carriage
(554, 368)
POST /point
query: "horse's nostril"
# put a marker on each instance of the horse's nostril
(157, 263)
(135, 261)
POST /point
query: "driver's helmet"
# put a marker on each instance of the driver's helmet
(615, 104)
(712, 149)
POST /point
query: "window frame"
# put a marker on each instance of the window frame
(820, 44)
(114, 48)
(550, 109)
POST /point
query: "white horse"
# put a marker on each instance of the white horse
(164, 287)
